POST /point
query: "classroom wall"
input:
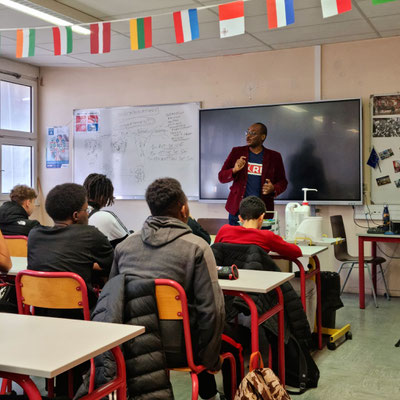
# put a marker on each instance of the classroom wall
(355, 69)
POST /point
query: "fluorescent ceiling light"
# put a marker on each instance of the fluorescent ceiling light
(295, 109)
(319, 118)
(44, 16)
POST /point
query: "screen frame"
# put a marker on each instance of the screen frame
(359, 201)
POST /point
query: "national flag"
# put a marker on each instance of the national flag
(141, 33)
(231, 19)
(186, 25)
(334, 7)
(375, 2)
(280, 13)
(25, 42)
(373, 160)
(100, 38)
(62, 36)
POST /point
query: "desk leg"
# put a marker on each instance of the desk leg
(373, 252)
(26, 384)
(319, 306)
(281, 338)
(361, 282)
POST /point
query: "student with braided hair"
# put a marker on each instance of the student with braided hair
(100, 193)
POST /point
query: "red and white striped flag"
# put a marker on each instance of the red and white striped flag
(334, 7)
(100, 38)
(62, 36)
(231, 19)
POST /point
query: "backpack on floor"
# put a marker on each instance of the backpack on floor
(261, 384)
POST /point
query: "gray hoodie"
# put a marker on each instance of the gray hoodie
(167, 248)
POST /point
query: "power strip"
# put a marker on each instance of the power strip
(374, 211)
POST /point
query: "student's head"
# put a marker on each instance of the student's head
(165, 198)
(24, 196)
(256, 134)
(100, 190)
(67, 203)
(251, 208)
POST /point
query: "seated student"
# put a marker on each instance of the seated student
(167, 248)
(251, 214)
(14, 214)
(5, 260)
(100, 192)
(198, 230)
(71, 244)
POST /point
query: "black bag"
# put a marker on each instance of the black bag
(8, 298)
(301, 372)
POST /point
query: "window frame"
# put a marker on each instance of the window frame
(13, 138)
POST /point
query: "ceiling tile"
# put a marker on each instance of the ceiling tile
(371, 10)
(324, 31)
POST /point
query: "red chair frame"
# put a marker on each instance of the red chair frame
(184, 316)
(30, 309)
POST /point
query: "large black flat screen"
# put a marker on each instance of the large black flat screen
(320, 144)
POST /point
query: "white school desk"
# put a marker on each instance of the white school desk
(312, 253)
(18, 264)
(251, 281)
(373, 238)
(46, 347)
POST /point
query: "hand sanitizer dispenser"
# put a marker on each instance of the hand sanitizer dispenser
(295, 214)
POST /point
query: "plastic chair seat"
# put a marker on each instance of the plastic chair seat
(368, 260)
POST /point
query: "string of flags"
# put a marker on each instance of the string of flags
(280, 13)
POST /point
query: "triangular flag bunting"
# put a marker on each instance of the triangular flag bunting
(334, 7)
(280, 13)
(141, 33)
(25, 43)
(231, 19)
(100, 38)
(381, 1)
(62, 36)
(186, 25)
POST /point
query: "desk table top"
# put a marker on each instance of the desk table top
(251, 281)
(18, 264)
(46, 347)
(378, 235)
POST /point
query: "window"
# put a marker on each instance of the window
(17, 133)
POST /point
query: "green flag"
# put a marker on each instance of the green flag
(375, 2)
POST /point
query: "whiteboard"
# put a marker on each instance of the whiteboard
(135, 145)
(385, 138)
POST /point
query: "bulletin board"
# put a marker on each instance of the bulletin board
(385, 139)
(135, 145)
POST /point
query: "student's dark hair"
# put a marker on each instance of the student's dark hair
(100, 190)
(63, 200)
(251, 208)
(20, 193)
(264, 130)
(165, 197)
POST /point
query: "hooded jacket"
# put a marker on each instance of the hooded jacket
(167, 248)
(14, 220)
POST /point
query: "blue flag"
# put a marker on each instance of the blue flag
(373, 159)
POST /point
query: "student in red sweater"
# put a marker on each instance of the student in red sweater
(251, 215)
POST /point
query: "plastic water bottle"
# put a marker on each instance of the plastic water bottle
(386, 217)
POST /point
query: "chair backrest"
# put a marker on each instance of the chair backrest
(56, 290)
(172, 305)
(212, 225)
(17, 245)
(338, 230)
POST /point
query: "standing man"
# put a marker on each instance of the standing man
(254, 170)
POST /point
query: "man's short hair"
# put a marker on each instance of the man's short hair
(263, 128)
(165, 197)
(100, 190)
(251, 208)
(63, 200)
(20, 193)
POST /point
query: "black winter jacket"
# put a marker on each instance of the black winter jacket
(128, 300)
(254, 257)
(14, 220)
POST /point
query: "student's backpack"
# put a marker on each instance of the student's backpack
(261, 384)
